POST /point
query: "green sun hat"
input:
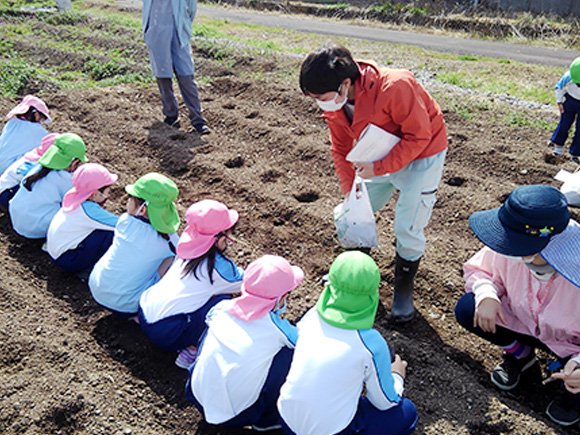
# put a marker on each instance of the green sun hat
(351, 298)
(575, 71)
(160, 192)
(66, 148)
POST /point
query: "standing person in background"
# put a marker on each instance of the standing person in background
(23, 131)
(568, 86)
(167, 28)
(354, 94)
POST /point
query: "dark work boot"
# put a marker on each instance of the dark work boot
(405, 271)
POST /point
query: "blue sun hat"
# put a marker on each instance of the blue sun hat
(525, 223)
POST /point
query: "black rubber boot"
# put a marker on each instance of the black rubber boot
(405, 271)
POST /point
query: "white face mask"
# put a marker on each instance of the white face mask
(332, 105)
(527, 260)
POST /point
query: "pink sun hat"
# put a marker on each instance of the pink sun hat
(46, 142)
(205, 220)
(87, 179)
(28, 102)
(265, 281)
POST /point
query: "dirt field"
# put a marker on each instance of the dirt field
(69, 367)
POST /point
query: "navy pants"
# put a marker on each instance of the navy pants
(179, 331)
(263, 412)
(368, 420)
(87, 253)
(571, 112)
(464, 312)
(7, 195)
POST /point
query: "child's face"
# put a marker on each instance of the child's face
(133, 207)
(100, 196)
(224, 240)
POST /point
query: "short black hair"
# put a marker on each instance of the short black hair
(325, 69)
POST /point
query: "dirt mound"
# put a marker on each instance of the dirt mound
(69, 367)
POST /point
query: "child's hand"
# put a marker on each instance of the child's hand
(570, 375)
(399, 366)
(486, 314)
(561, 107)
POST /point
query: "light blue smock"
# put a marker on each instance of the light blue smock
(167, 29)
(17, 138)
(130, 266)
(32, 210)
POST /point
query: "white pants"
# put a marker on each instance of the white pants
(417, 183)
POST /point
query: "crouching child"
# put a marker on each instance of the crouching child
(338, 354)
(246, 353)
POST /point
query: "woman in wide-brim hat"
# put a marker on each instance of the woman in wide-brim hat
(522, 289)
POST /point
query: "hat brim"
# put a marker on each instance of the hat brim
(190, 247)
(22, 108)
(73, 198)
(347, 310)
(562, 253)
(491, 232)
(164, 218)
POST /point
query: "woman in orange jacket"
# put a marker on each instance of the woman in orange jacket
(354, 94)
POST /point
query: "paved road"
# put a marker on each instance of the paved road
(446, 44)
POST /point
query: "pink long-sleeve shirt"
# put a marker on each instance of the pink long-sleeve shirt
(547, 310)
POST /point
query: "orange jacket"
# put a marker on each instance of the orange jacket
(395, 101)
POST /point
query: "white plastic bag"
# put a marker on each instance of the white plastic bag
(354, 219)
(571, 186)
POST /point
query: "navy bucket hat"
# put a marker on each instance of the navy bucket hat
(525, 223)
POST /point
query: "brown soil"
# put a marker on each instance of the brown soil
(69, 367)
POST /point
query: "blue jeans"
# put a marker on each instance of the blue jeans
(181, 330)
(571, 111)
(368, 420)
(417, 184)
(263, 412)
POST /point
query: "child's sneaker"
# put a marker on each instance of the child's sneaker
(563, 410)
(558, 151)
(506, 375)
(186, 357)
(202, 129)
(575, 159)
(172, 121)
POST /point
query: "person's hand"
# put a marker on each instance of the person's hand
(365, 170)
(570, 375)
(561, 107)
(487, 313)
(399, 366)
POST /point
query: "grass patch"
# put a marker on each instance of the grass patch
(519, 119)
(14, 75)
